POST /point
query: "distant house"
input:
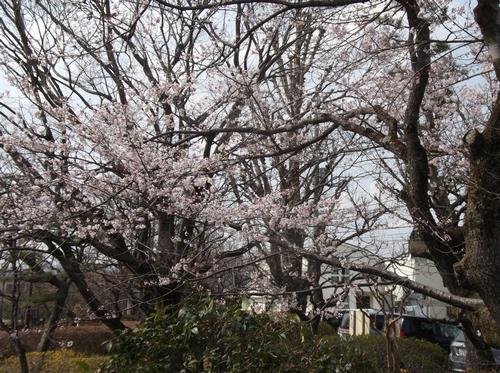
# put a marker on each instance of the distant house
(425, 272)
(349, 289)
(384, 295)
(343, 288)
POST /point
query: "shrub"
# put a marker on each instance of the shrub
(62, 361)
(205, 337)
(367, 353)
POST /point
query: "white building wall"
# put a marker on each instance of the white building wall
(425, 272)
(330, 276)
(417, 269)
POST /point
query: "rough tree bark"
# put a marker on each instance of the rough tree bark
(481, 264)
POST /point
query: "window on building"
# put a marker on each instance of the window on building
(339, 275)
(363, 301)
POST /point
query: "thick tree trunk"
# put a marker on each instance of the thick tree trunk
(481, 265)
(487, 15)
(478, 352)
(166, 248)
(482, 260)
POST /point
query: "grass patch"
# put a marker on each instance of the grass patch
(61, 361)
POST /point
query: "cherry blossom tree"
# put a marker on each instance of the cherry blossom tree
(129, 148)
(86, 176)
(179, 142)
(422, 87)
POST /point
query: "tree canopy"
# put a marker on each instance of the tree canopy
(183, 144)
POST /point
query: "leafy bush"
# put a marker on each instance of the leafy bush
(62, 361)
(208, 338)
(367, 353)
(205, 337)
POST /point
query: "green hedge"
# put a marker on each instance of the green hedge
(205, 337)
